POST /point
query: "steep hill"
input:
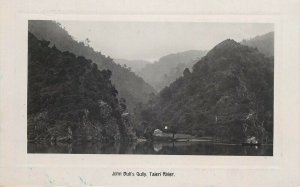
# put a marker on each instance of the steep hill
(228, 96)
(69, 99)
(264, 43)
(131, 87)
(168, 68)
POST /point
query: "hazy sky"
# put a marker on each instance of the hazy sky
(151, 40)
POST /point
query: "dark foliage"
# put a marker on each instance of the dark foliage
(228, 96)
(131, 87)
(70, 99)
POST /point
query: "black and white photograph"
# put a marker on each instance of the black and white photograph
(150, 93)
(171, 88)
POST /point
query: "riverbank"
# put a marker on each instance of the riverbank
(151, 147)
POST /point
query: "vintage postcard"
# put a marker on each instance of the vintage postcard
(117, 95)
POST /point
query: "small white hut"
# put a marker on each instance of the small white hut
(157, 132)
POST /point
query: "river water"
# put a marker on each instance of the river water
(164, 148)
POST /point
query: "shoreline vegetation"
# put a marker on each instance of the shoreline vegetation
(166, 138)
(143, 146)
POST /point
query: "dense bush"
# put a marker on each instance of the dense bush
(131, 87)
(228, 95)
(70, 99)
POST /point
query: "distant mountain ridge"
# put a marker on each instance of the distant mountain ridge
(264, 43)
(131, 87)
(168, 68)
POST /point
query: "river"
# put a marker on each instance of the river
(163, 148)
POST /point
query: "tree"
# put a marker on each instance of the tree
(87, 42)
(123, 104)
(186, 72)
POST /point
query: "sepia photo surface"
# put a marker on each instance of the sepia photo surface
(171, 88)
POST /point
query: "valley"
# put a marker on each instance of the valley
(190, 100)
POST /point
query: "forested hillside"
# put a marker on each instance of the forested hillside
(168, 68)
(131, 87)
(264, 43)
(134, 65)
(228, 95)
(69, 99)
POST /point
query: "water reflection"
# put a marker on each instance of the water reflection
(165, 148)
